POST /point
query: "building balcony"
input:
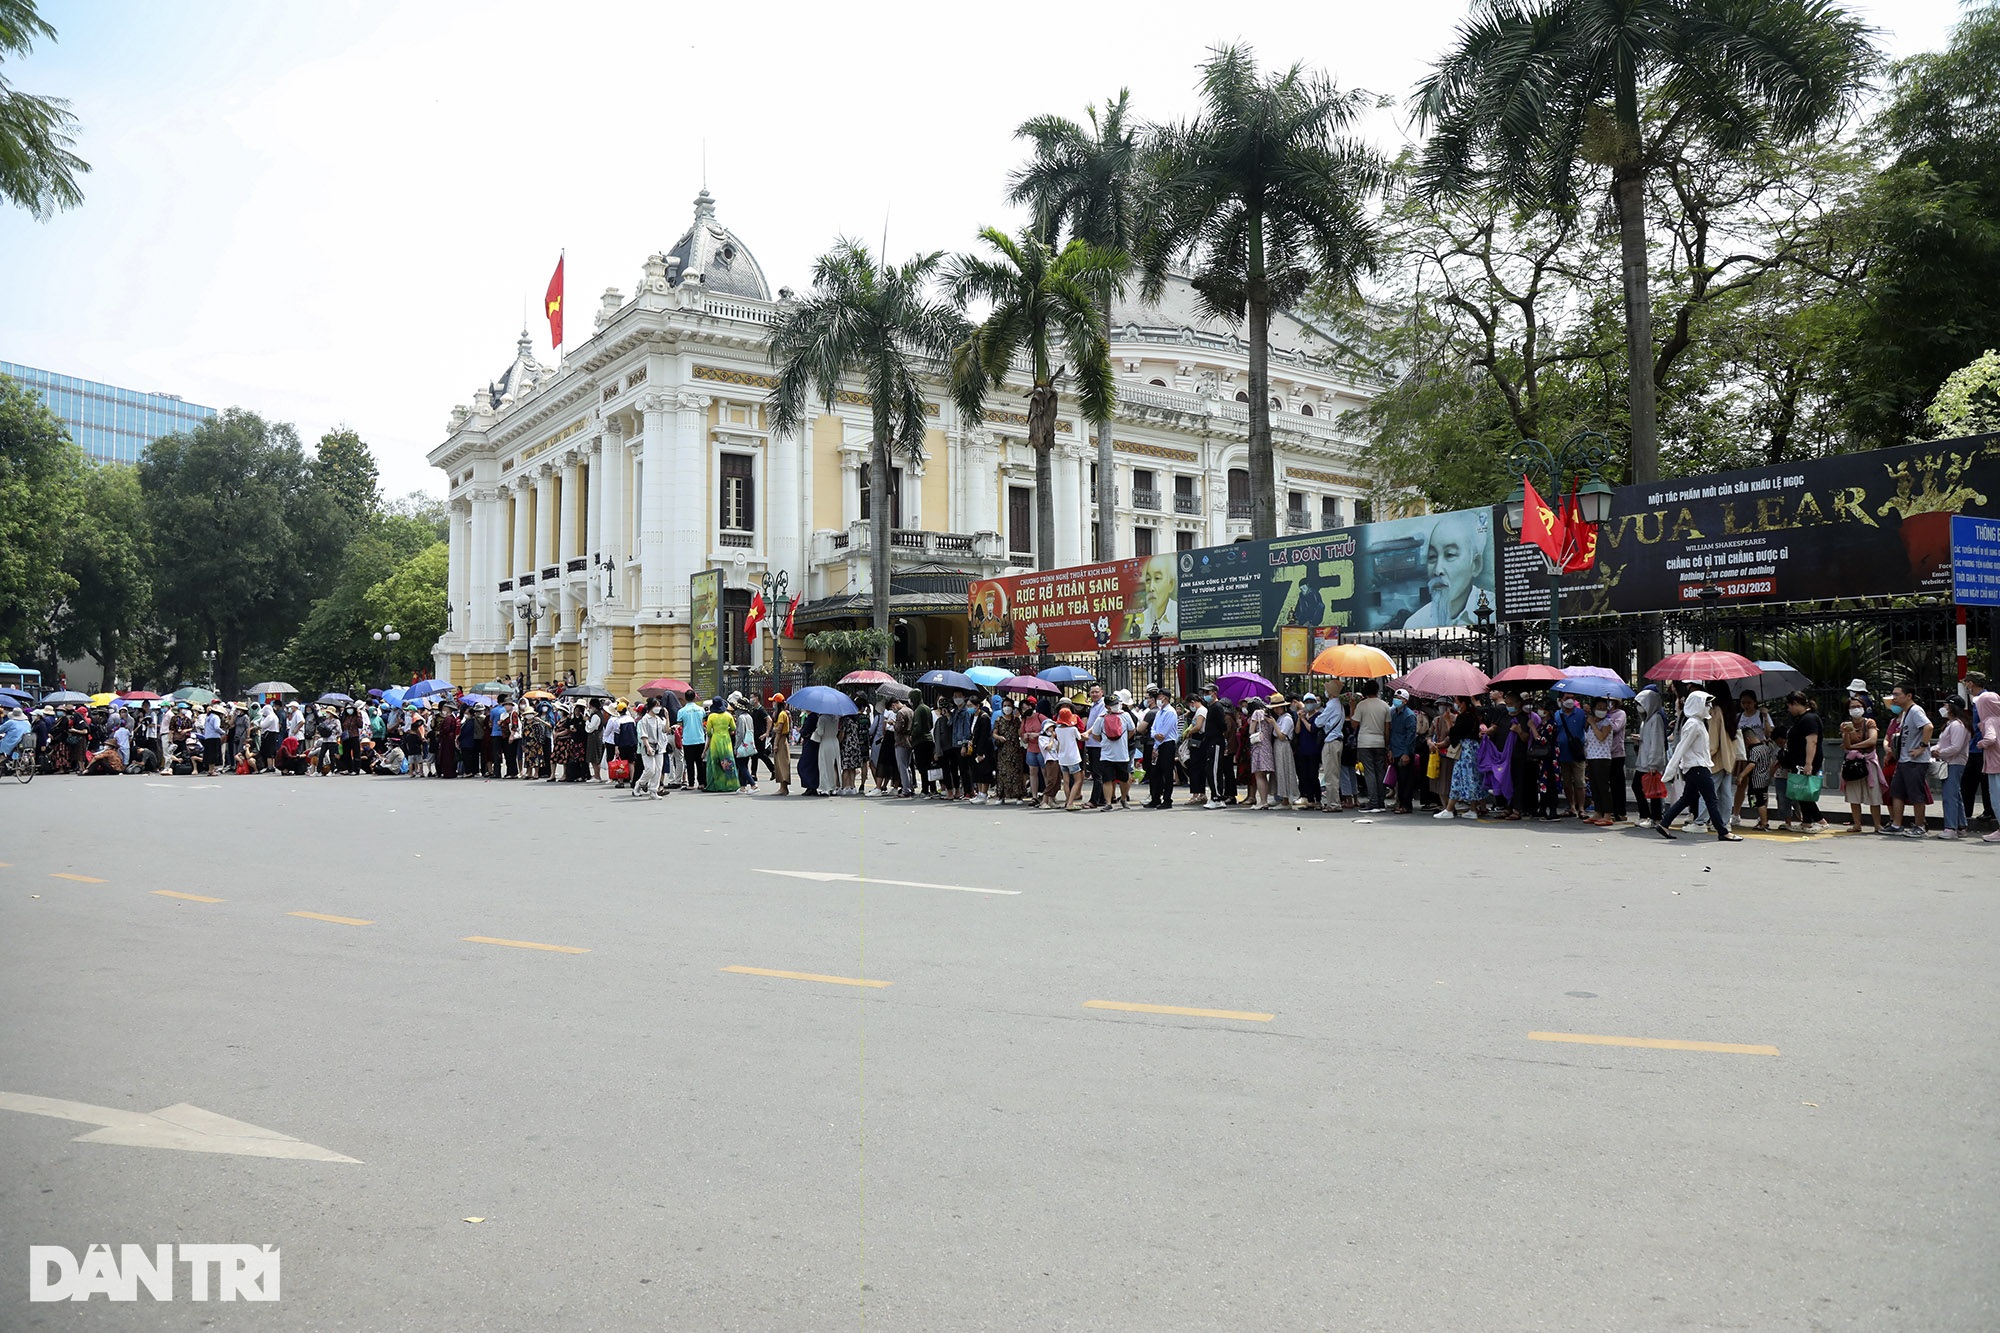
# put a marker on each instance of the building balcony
(1187, 504)
(979, 553)
(1239, 509)
(1145, 499)
(1297, 520)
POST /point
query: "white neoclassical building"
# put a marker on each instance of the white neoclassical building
(584, 496)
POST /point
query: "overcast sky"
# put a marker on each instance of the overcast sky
(335, 212)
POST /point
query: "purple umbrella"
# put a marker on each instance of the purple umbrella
(1236, 686)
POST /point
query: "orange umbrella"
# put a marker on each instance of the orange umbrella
(1353, 660)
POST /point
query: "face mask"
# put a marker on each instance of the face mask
(1857, 712)
(1895, 708)
(1396, 704)
(1512, 711)
(1571, 704)
(1601, 712)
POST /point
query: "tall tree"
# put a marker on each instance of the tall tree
(1931, 301)
(876, 323)
(41, 501)
(1266, 195)
(1043, 309)
(344, 467)
(109, 559)
(414, 600)
(37, 170)
(245, 539)
(1084, 183)
(1538, 96)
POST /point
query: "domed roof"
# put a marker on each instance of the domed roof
(724, 264)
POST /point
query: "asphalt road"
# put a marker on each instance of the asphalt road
(1373, 1141)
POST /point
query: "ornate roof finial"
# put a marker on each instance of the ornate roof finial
(526, 347)
(704, 206)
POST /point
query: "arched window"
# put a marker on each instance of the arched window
(1157, 384)
(1277, 403)
(1305, 409)
(1242, 397)
(1239, 492)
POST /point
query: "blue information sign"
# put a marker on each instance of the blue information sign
(1975, 561)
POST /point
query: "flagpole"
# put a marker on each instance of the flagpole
(1585, 452)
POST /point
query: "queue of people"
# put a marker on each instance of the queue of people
(1681, 749)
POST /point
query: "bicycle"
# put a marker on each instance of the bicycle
(21, 763)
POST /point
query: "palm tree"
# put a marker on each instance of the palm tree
(37, 170)
(1267, 197)
(873, 322)
(1086, 182)
(1536, 94)
(1044, 309)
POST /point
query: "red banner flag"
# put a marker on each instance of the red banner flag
(1579, 537)
(552, 304)
(791, 611)
(754, 617)
(1541, 525)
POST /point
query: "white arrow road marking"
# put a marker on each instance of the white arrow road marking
(836, 877)
(188, 1128)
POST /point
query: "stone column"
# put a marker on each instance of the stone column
(524, 556)
(545, 518)
(783, 472)
(592, 543)
(1069, 481)
(611, 508)
(691, 524)
(655, 481)
(458, 587)
(566, 543)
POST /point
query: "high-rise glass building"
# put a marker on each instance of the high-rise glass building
(110, 424)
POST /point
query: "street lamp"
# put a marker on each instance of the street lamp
(1482, 625)
(1159, 667)
(526, 607)
(776, 604)
(1585, 454)
(388, 638)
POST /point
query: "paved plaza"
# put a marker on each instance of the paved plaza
(550, 1059)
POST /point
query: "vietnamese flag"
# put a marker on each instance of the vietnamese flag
(754, 617)
(1579, 537)
(789, 613)
(552, 304)
(1540, 525)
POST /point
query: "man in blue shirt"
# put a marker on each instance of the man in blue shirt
(1166, 734)
(694, 741)
(1571, 723)
(1403, 749)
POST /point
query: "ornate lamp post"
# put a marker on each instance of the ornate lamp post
(388, 638)
(1482, 625)
(776, 603)
(529, 610)
(1159, 667)
(1585, 454)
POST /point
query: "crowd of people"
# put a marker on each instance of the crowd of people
(1676, 749)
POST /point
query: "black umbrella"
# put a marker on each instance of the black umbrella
(586, 692)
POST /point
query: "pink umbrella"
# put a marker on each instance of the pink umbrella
(868, 678)
(1597, 673)
(1026, 685)
(1447, 676)
(1530, 673)
(1707, 665)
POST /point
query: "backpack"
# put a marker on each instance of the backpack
(1114, 726)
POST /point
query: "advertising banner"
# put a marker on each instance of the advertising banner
(1411, 573)
(1874, 524)
(1975, 561)
(705, 665)
(1076, 610)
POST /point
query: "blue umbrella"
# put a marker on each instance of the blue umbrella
(423, 689)
(393, 697)
(1064, 674)
(989, 676)
(477, 700)
(1593, 687)
(955, 680)
(822, 699)
(336, 697)
(20, 697)
(65, 697)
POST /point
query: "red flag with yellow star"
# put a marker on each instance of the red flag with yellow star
(552, 304)
(1579, 537)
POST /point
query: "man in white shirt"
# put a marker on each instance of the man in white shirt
(1371, 741)
(1114, 752)
(1910, 782)
(653, 742)
(267, 737)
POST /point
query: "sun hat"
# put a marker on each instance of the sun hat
(1065, 718)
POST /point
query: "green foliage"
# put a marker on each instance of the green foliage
(41, 504)
(1969, 401)
(425, 507)
(345, 469)
(109, 559)
(37, 170)
(335, 647)
(1832, 655)
(837, 652)
(245, 539)
(1546, 101)
(876, 324)
(414, 600)
(1266, 195)
(1044, 307)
